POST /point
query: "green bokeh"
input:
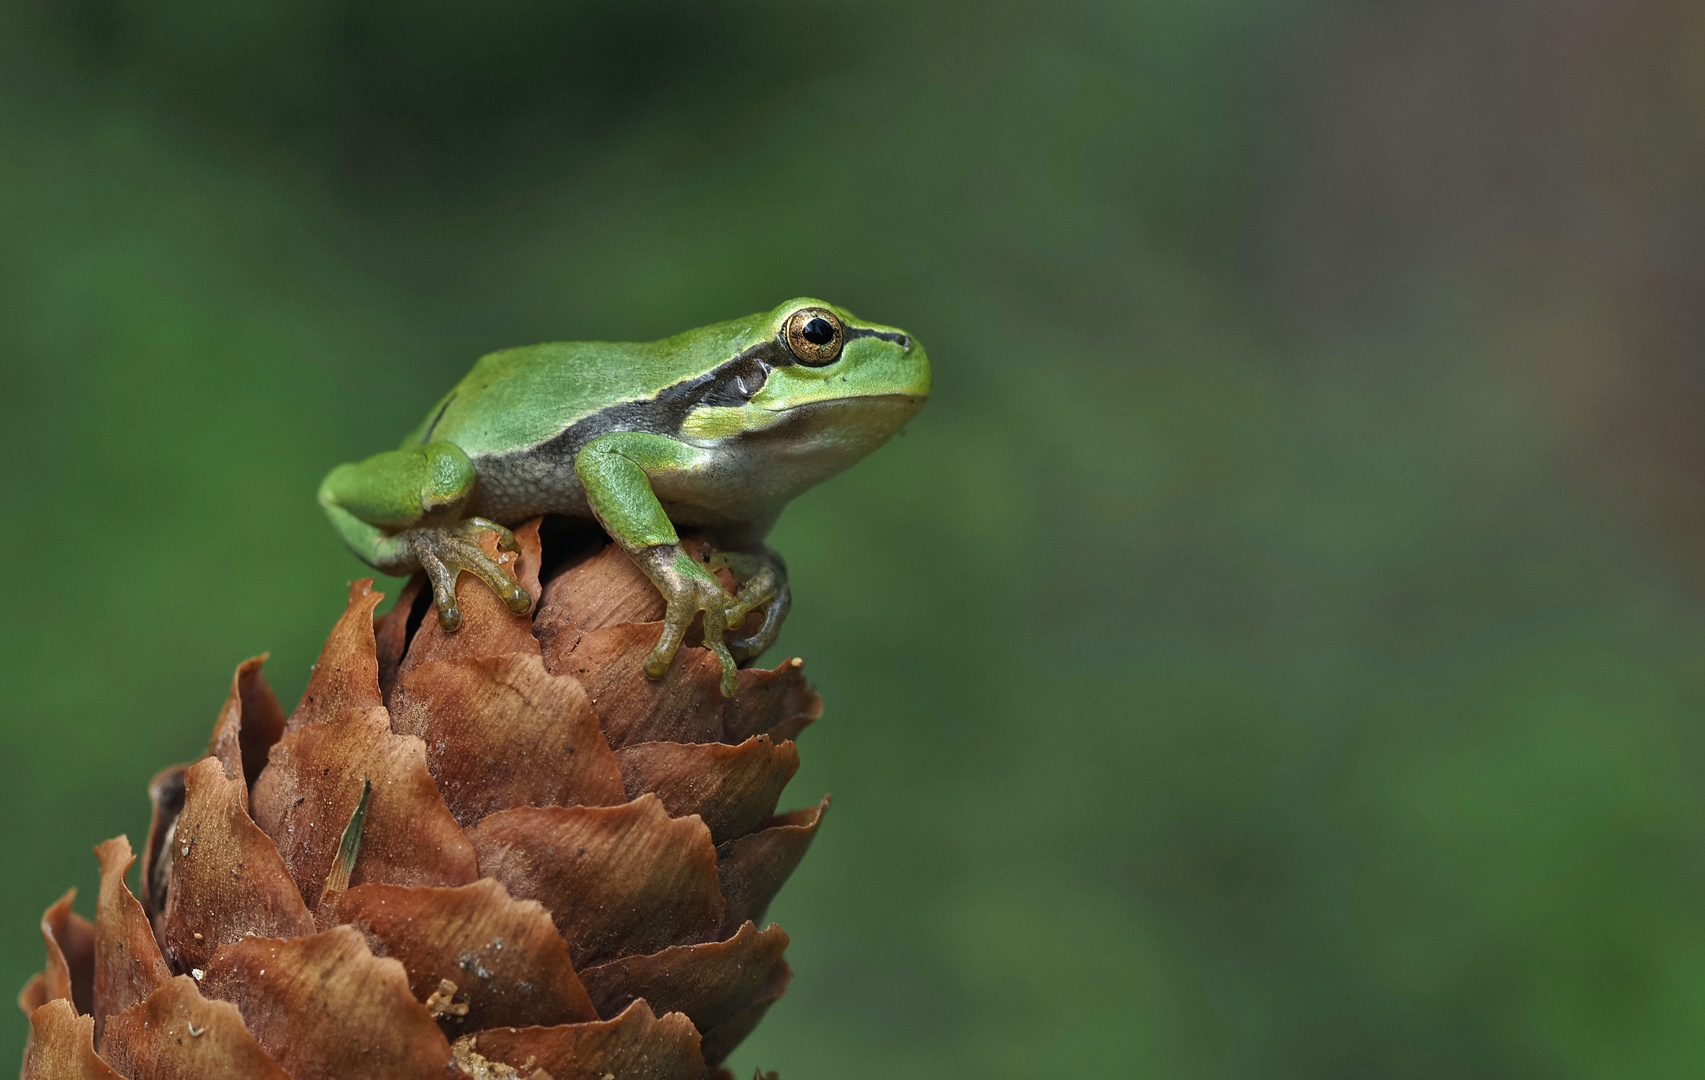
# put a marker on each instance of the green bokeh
(1246, 666)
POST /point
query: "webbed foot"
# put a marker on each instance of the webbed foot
(689, 590)
(444, 551)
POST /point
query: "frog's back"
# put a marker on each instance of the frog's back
(526, 397)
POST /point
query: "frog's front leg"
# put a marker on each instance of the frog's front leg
(401, 511)
(616, 471)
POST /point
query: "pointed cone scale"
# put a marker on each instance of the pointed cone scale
(177, 1034)
(605, 590)
(347, 674)
(732, 788)
(312, 785)
(70, 941)
(505, 958)
(249, 723)
(637, 1045)
(501, 732)
(617, 880)
(721, 1040)
(710, 982)
(685, 705)
(599, 619)
(752, 869)
(328, 1009)
(128, 964)
(62, 1046)
(209, 903)
(777, 702)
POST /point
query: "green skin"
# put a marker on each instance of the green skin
(717, 428)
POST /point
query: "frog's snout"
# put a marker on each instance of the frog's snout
(914, 365)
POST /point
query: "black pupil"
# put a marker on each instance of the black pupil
(818, 331)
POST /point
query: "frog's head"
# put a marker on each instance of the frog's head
(812, 388)
(813, 356)
(829, 354)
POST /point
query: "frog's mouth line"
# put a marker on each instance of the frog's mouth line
(915, 400)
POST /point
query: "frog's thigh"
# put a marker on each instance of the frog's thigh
(617, 470)
(401, 488)
(368, 500)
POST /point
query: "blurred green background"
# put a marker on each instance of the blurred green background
(1277, 651)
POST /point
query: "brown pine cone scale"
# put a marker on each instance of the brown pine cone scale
(560, 867)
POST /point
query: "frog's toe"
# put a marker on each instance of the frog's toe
(759, 641)
(443, 581)
(445, 552)
(730, 671)
(763, 585)
(505, 538)
(497, 579)
(449, 617)
(674, 630)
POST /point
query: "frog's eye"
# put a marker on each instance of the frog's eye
(814, 335)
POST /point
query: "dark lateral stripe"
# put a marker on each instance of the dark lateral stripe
(733, 382)
(854, 332)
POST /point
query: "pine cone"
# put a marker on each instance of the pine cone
(559, 866)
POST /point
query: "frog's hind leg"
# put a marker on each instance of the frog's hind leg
(398, 511)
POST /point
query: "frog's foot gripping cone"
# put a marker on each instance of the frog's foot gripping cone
(559, 870)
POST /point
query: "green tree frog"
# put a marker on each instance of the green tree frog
(717, 429)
